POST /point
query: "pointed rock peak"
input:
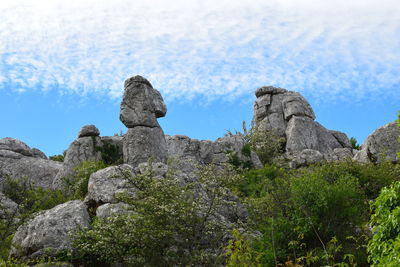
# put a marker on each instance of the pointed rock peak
(88, 130)
(137, 79)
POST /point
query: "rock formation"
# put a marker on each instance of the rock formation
(89, 146)
(19, 161)
(288, 114)
(381, 145)
(141, 106)
(48, 233)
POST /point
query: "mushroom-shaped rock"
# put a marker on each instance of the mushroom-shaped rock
(49, 232)
(88, 130)
(141, 104)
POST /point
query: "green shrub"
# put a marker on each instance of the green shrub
(170, 224)
(313, 216)
(78, 184)
(384, 247)
(59, 158)
(354, 144)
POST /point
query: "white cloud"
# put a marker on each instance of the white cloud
(328, 49)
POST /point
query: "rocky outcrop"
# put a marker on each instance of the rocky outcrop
(19, 161)
(141, 106)
(381, 145)
(288, 114)
(189, 153)
(89, 146)
(109, 209)
(104, 185)
(88, 130)
(49, 232)
(8, 208)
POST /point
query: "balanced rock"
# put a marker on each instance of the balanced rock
(140, 107)
(49, 232)
(141, 104)
(381, 145)
(88, 130)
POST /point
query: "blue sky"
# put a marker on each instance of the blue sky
(63, 63)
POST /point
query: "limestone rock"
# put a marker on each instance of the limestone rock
(48, 232)
(303, 133)
(341, 138)
(141, 104)
(15, 146)
(81, 149)
(109, 209)
(295, 104)
(304, 158)
(88, 130)
(143, 143)
(8, 208)
(105, 184)
(38, 153)
(37, 171)
(269, 90)
(381, 145)
(157, 169)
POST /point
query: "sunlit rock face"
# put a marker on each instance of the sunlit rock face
(381, 145)
(288, 114)
(140, 107)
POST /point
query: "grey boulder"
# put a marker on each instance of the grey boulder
(88, 130)
(105, 185)
(49, 232)
(8, 208)
(381, 145)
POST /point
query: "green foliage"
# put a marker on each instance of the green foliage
(30, 200)
(59, 158)
(78, 184)
(171, 224)
(240, 253)
(109, 152)
(354, 144)
(398, 124)
(315, 216)
(384, 247)
(266, 144)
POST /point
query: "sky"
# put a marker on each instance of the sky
(63, 63)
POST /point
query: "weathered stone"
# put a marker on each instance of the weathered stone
(109, 209)
(104, 185)
(140, 144)
(381, 145)
(8, 208)
(303, 133)
(37, 171)
(269, 90)
(141, 104)
(304, 158)
(157, 169)
(341, 138)
(48, 232)
(260, 108)
(15, 146)
(38, 153)
(295, 104)
(80, 150)
(10, 154)
(88, 130)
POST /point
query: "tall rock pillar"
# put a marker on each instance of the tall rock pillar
(140, 107)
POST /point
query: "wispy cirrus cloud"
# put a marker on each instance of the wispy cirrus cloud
(187, 49)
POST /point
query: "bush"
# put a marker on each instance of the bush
(354, 144)
(78, 184)
(59, 158)
(172, 224)
(313, 216)
(384, 247)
